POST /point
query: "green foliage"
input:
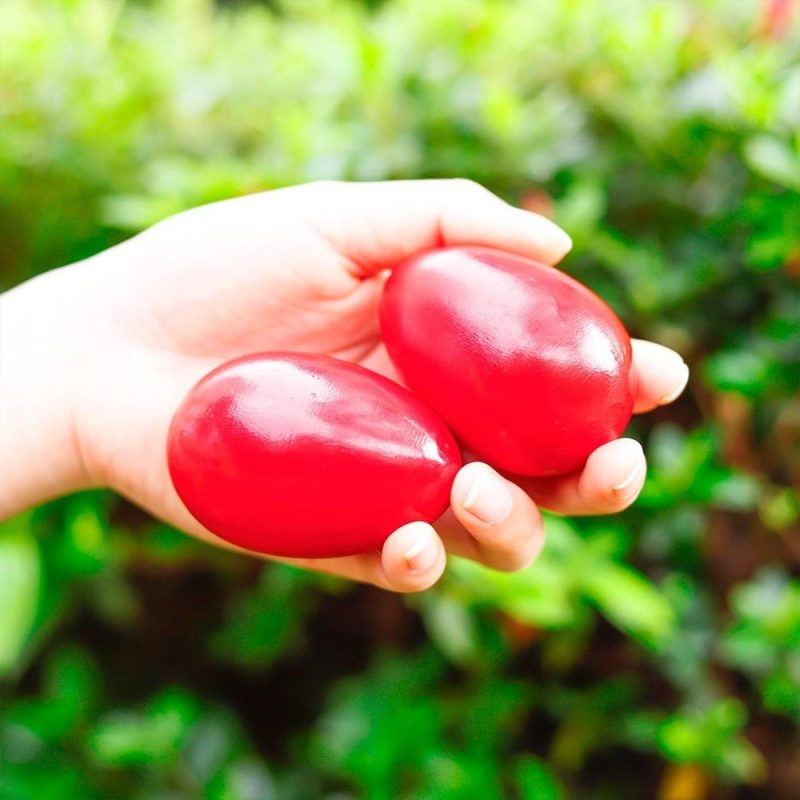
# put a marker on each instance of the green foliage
(764, 639)
(573, 573)
(19, 589)
(141, 665)
(710, 737)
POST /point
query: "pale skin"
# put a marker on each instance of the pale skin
(96, 357)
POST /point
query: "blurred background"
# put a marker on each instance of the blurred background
(654, 654)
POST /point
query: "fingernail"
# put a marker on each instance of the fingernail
(631, 481)
(421, 554)
(680, 379)
(489, 498)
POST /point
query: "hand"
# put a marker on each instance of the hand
(293, 269)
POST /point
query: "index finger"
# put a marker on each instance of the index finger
(375, 225)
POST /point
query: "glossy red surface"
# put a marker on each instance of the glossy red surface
(308, 456)
(530, 369)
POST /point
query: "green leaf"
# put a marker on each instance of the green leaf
(266, 623)
(774, 160)
(20, 576)
(781, 692)
(129, 738)
(742, 371)
(451, 626)
(536, 781)
(712, 736)
(631, 602)
(70, 692)
(247, 779)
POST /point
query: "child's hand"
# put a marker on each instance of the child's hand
(104, 352)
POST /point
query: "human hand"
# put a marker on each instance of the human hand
(295, 269)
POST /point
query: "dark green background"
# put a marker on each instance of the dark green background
(651, 655)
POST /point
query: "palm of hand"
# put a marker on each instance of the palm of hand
(199, 289)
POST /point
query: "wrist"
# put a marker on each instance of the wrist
(46, 341)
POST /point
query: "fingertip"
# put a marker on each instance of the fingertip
(502, 520)
(613, 476)
(662, 374)
(546, 241)
(559, 240)
(482, 492)
(413, 557)
(679, 381)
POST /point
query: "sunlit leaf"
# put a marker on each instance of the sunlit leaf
(774, 159)
(20, 574)
(630, 602)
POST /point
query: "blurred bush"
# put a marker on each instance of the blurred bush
(655, 654)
